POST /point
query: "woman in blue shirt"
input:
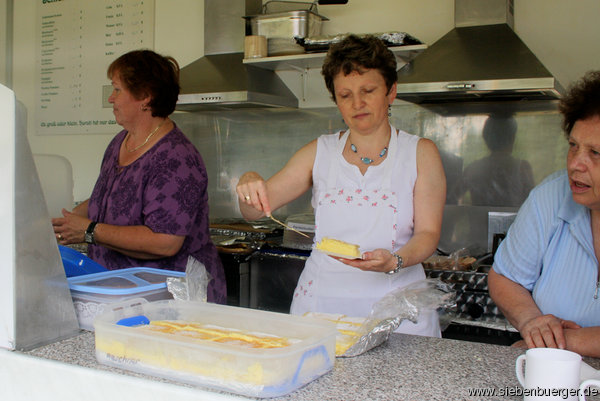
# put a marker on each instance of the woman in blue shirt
(545, 277)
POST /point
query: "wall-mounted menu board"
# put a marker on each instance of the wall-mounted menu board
(76, 41)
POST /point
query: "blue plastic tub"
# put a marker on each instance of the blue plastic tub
(77, 264)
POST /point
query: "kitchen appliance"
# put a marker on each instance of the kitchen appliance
(274, 273)
(482, 58)
(236, 240)
(498, 225)
(260, 270)
(219, 80)
(290, 228)
(237, 275)
(228, 366)
(466, 226)
(36, 303)
(304, 223)
(476, 318)
(276, 267)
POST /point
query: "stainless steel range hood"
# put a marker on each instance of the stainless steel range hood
(477, 61)
(220, 80)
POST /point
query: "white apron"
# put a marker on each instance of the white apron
(359, 216)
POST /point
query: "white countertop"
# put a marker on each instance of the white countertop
(404, 368)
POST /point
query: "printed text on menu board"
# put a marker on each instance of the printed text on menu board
(76, 42)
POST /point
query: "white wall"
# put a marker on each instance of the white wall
(178, 30)
(427, 20)
(561, 32)
(178, 22)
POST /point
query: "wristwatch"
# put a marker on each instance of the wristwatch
(88, 237)
(399, 264)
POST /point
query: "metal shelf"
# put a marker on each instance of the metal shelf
(306, 61)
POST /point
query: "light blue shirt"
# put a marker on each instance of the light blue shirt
(549, 251)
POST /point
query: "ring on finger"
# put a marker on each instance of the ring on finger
(247, 197)
(60, 236)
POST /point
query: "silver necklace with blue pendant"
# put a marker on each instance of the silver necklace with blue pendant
(368, 160)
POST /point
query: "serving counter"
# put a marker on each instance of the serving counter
(404, 368)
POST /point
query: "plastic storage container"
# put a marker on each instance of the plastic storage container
(92, 292)
(255, 372)
(77, 264)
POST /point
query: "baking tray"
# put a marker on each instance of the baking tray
(321, 43)
(462, 280)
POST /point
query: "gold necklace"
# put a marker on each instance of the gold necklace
(147, 138)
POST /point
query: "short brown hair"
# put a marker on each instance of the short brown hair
(581, 101)
(359, 53)
(146, 73)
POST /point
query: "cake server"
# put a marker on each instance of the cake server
(288, 227)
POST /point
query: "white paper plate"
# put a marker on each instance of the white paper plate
(339, 255)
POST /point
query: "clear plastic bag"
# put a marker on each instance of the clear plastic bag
(397, 305)
(192, 287)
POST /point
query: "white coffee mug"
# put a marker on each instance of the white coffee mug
(549, 374)
(585, 390)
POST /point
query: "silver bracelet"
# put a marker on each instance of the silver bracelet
(399, 264)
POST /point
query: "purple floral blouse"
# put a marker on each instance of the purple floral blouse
(165, 190)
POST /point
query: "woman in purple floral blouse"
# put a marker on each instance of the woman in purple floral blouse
(149, 206)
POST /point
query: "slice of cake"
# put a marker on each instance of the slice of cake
(338, 248)
(217, 334)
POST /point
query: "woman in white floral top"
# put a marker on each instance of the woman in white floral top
(372, 185)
